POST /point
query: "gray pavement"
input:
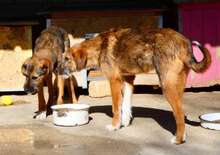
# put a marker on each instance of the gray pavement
(151, 129)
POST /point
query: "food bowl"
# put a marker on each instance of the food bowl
(210, 121)
(70, 114)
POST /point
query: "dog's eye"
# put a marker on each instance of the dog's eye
(66, 59)
(34, 78)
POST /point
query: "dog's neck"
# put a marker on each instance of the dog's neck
(93, 50)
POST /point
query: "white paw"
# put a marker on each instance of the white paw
(111, 127)
(126, 121)
(173, 140)
(41, 115)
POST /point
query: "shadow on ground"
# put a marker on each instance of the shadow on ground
(164, 118)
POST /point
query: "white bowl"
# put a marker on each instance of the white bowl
(70, 114)
(210, 121)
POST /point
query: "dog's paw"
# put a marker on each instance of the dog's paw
(41, 115)
(173, 140)
(126, 121)
(112, 128)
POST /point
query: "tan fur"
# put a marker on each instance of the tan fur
(48, 52)
(131, 51)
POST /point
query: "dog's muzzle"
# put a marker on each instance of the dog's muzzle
(64, 73)
(29, 91)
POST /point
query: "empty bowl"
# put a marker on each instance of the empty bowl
(70, 114)
(210, 121)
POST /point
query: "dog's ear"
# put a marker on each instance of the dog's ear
(46, 67)
(80, 57)
(24, 66)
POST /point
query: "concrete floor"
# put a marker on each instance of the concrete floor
(152, 128)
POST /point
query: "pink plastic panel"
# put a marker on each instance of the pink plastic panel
(201, 22)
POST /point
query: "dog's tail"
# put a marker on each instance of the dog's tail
(203, 65)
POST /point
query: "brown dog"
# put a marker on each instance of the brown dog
(48, 51)
(122, 53)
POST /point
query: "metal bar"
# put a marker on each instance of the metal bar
(84, 79)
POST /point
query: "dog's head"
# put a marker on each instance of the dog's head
(35, 70)
(74, 60)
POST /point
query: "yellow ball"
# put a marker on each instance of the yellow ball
(7, 100)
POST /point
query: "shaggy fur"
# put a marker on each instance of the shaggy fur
(122, 53)
(48, 51)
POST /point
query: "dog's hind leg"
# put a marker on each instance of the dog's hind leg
(71, 90)
(127, 96)
(173, 83)
(174, 97)
(115, 85)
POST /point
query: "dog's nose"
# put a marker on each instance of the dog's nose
(26, 89)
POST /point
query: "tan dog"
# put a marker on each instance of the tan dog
(122, 53)
(48, 51)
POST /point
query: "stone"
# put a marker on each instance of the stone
(99, 88)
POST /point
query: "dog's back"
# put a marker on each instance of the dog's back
(55, 40)
(139, 51)
(60, 34)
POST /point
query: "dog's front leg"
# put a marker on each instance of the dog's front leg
(41, 103)
(126, 104)
(115, 85)
(71, 90)
(50, 91)
(60, 87)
